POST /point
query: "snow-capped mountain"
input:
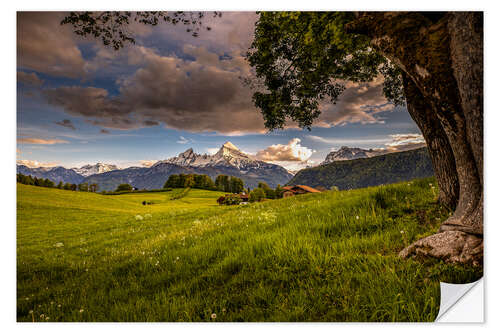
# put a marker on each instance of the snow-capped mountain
(345, 153)
(229, 160)
(90, 169)
(228, 155)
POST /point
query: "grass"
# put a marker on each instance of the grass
(319, 257)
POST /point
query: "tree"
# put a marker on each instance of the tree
(256, 195)
(270, 194)
(222, 183)
(432, 61)
(60, 185)
(83, 187)
(237, 185)
(93, 187)
(67, 186)
(72, 187)
(172, 182)
(278, 192)
(123, 188)
(111, 26)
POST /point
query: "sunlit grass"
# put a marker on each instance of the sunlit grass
(320, 257)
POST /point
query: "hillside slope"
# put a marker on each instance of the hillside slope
(373, 171)
(329, 256)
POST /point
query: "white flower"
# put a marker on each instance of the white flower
(139, 218)
(31, 311)
(148, 216)
(357, 217)
(213, 316)
(58, 244)
(402, 231)
(81, 310)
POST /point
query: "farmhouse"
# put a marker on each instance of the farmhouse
(298, 189)
(243, 196)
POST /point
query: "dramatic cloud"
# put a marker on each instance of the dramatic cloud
(66, 123)
(29, 79)
(36, 164)
(45, 46)
(402, 142)
(358, 104)
(291, 152)
(199, 96)
(147, 163)
(37, 141)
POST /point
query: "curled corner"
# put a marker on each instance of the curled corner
(451, 294)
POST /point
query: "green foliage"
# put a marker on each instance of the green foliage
(112, 27)
(232, 199)
(83, 187)
(278, 192)
(364, 172)
(179, 194)
(302, 58)
(257, 194)
(332, 256)
(269, 192)
(124, 188)
(203, 182)
(237, 185)
(28, 180)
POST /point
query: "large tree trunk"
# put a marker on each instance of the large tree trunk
(437, 55)
(440, 152)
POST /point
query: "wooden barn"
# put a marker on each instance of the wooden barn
(298, 189)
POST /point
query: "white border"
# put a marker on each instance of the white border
(8, 135)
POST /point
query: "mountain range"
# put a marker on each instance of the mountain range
(89, 169)
(371, 171)
(229, 160)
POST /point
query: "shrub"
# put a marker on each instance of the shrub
(232, 200)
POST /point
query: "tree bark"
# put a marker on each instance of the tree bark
(440, 152)
(440, 58)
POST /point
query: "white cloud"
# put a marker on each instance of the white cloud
(37, 141)
(147, 163)
(291, 152)
(36, 164)
(183, 140)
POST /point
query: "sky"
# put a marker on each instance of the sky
(80, 102)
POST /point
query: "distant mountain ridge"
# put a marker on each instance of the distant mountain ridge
(370, 171)
(90, 169)
(56, 174)
(229, 160)
(345, 153)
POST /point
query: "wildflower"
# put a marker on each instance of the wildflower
(177, 258)
(148, 216)
(357, 217)
(47, 318)
(224, 310)
(213, 316)
(59, 244)
(402, 231)
(27, 298)
(139, 218)
(31, 311)
(42, 315)
(52, 302)
(81, 310)
(58, 305)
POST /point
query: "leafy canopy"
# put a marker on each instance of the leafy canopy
(305, 58)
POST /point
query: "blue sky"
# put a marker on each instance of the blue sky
(79, 102)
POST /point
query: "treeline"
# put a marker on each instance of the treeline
(222, 183)
(45, 182)
(263, 191)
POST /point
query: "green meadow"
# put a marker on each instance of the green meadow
(330, 256)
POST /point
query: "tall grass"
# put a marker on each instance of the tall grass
(319, 257)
